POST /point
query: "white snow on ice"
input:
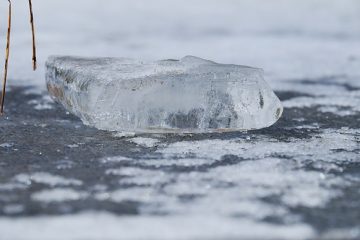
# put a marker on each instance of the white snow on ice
(106, 226)
(144, 142)
(46, 178)
(58, 195)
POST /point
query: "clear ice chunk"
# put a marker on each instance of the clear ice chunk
(187, 95)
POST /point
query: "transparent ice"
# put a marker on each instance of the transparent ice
(187, 95)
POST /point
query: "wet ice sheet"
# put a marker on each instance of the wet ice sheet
(288, 180)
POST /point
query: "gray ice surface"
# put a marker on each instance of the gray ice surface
(298, 179)
(186, 95)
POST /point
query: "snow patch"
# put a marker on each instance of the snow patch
(6, 145)
(145, 142)
(58, 195)
(46, 178)
(107, 226)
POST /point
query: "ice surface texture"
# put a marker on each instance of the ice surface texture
(187, 95)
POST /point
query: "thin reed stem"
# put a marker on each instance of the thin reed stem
(7, 54)
(33, 36)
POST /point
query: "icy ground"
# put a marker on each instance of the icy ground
(298, 179)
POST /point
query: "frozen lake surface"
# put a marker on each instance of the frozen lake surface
(297, 179)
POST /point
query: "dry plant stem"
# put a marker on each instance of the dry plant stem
(6, 60)
(33, 36)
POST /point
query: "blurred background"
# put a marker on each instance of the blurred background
(288, 38)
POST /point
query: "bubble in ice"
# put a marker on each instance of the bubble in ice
(187, 95)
